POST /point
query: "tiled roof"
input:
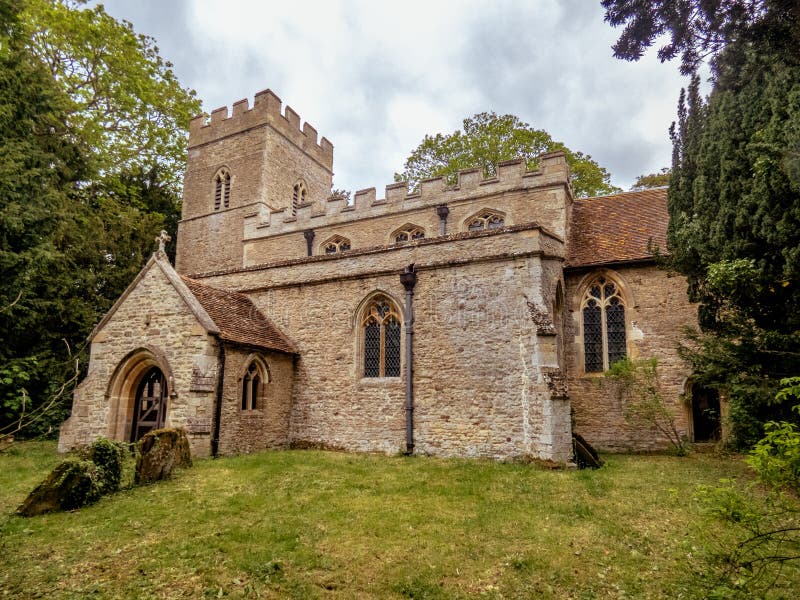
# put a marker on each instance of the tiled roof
(616, 228)
(237, 318)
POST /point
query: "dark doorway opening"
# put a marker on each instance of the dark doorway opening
(705, 414)
(150, 409)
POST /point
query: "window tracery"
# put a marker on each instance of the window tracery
(408, 233)
(604, 331)
(381, 331)
(335, 245)
(487, 219)
(222, 189)
(252, 386)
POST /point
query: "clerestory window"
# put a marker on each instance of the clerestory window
(222, 189)
(604, 333)
(335, 245)
(408, 233)
(485, 220)
(381, 331)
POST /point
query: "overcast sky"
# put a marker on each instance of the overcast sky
(374, 77)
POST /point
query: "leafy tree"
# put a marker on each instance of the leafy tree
(735, 229)
(734, 197)
(126, 102)
(701, 29)
(653, 180)
(488, 139)
(39, 165)
(80, 201)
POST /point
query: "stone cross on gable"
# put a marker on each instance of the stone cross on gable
(162, 239)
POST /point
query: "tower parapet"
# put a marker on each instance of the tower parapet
(266, 110)
(512, 175)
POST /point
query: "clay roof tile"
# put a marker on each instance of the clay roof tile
(238, 319)
(622, 227)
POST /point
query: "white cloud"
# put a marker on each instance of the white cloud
(375, 77)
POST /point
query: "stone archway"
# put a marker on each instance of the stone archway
(143, 374)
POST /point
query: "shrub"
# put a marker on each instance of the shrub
(638, 384)
(78, 480)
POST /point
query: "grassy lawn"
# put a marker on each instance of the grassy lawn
(309, 524)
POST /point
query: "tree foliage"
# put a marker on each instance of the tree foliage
(735, 228)
(701, 29)
(488, 139)
(75, 225)
(734, 196)
(767, 525)
(652, 180)
(126, 102)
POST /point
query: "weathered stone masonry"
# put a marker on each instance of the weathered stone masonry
(498, 337)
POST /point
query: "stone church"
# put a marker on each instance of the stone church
(472, 319)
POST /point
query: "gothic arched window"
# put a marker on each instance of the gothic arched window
(408, 233)
(253, 381)
(604, 337)
(335, 245)
(298, 196)
(381, 330)
(486, 219)
(222, 189)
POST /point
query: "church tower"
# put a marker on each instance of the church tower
(255, 160)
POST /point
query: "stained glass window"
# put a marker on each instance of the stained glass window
(604, 333)
(592, 337)
(372, 349)
(381, 325)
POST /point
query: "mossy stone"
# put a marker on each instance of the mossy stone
(160, 452)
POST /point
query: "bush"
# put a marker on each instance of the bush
(109, 458)
(638, 384)
(79, 480)
(768, 520)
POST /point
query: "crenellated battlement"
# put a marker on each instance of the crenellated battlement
(511, 176)
(266, 110)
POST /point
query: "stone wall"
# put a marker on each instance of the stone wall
(267, 153)
(520, 197)
(152, 326)
(482, 370)
(658, 310)
(267, 426)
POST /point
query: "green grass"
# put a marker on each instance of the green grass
(308, 524)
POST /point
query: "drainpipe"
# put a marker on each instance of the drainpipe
(409, 279)
(442, 211)
(309, 235)
(218, 407)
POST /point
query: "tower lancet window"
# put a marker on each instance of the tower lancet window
(222, 189)
(298, 196)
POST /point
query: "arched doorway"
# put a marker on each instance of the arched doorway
(150, 405)
(706, 422)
